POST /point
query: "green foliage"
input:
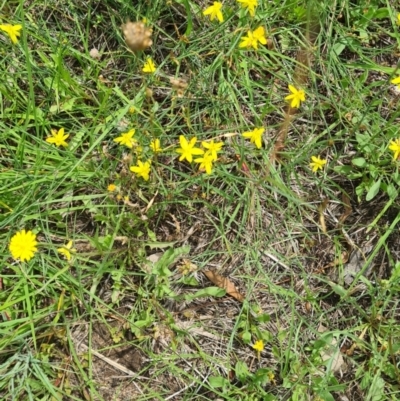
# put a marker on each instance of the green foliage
(372, 168)
(141, 247)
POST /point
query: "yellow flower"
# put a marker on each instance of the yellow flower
(187, 149)
(213, 148)
(138, 149)
(253, 37)
(111, 188)
(126, 139)
(317, 163)
(58, 138)
(395, 147)
(398, 19)
(155, 146)
(206, 162)
(13, 31)
(23, 245)
(297, 96)
(250, 5)
(258, 346)
(255, 136)
(149, 66)
(271, 377)
(142, 169)
(214, 11)
(66, 250)
(132, 110)
(396, 81)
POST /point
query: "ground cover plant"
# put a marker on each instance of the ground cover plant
(199, 200)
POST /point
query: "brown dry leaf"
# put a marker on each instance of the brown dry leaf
(225, 283)
(347, 209)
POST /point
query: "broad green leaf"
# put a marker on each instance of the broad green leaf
(241, 371)
(169, 257)
(338, 48)
(218, 381)
(207, 292)
(359, 162)
(373, 191)
(325, 395)
(263, 318)
(391, 191)
(261, 376)
(246, 337)
(376, 391)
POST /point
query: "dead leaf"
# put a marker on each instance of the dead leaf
(350, 351)
(321, 210)
(225, 283)
(347, 209)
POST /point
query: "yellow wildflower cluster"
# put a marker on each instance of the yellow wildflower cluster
(209, 153)
(141, 169)
(252, 39)
(23, 246)
(215, 11)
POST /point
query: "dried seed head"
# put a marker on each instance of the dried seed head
(178, 84)
(94, 53)
(137, 36)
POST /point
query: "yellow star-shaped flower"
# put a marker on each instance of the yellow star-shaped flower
(317, 163)
(13, 31)
(213, 148)
(258, 346)
(253, 37)
(155, 146)
(250, 5)
(142, 169)
(66, 250)
(58, 138)
(205, 162)
(396, 81)
(394, 146)
(187, 149)
(296, 97)
(126, 139)
(149, 66)
(255, 136)
(214, 11)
